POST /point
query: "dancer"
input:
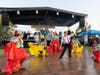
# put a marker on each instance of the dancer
(36, 50)
(77, 47)
(66, 43)
(96, 51)
(54, 44)
(15, 54)
(23, 53)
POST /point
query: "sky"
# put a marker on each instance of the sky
(90, 7)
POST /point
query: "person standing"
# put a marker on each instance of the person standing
(66, 44)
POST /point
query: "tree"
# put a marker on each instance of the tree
(5, 32)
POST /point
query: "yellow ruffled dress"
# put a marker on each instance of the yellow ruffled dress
(76, 48)
(36, 49)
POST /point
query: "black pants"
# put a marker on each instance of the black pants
(60, 39)
(48, 42)
(67, 45)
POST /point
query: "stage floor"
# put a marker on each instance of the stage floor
(79, 64)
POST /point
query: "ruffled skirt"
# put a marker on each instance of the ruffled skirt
(14, 57)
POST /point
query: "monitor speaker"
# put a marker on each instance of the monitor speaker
(82, 22)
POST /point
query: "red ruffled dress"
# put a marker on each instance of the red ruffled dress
(54, 46)
(14, 57)
(96, 54)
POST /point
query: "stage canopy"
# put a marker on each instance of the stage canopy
(41, 16)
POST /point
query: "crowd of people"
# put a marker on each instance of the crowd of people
(45, 43)
(49, 42)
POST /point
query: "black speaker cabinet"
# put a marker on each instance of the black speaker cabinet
(82, 22)
(5, 19)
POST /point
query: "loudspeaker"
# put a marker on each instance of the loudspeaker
(82, 22)
(5, 19)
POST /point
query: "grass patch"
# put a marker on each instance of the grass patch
(1, 52)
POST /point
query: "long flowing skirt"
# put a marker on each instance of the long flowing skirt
(77, 49)
(96, 56)
(36, 49)
(54, 46)
(14, 57)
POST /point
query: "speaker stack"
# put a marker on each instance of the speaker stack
(4, 19)
(82, 22)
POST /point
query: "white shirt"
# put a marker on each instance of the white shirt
(66, 39)
(36, 38)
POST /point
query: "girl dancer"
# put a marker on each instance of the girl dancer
(15, 54)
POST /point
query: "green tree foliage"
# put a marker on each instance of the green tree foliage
(5, 32)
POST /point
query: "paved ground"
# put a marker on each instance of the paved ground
(80, 64)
